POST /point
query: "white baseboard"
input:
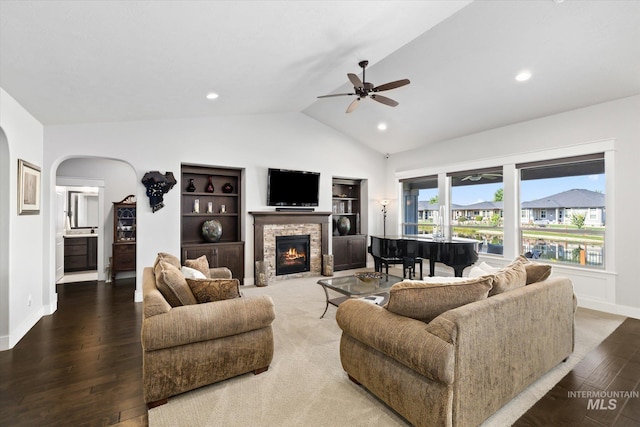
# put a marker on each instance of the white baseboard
(622, 310)
(7, 343)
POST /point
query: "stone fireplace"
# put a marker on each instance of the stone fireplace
(271, 227)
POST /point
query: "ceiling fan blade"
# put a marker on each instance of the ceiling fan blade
(355, 80)
(353, 105)
(391, 85)
(335, 94)
(384, 100)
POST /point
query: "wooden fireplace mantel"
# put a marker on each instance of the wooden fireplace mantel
(262, 218)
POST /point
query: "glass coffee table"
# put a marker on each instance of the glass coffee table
(354, 287)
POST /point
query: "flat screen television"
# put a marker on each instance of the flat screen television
(292, 188)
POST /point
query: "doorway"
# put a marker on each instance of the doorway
(77, 182)
(78, 231)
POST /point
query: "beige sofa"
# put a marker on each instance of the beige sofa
(466, 363)
(189, 346)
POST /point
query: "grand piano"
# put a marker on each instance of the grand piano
(457, 253)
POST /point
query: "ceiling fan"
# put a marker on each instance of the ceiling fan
(364, 89)
(479, 176)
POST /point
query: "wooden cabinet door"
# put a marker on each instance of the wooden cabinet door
(349, 252)
(75, 254)
(358, 251)
(196, 251)
(92, 253)
(230, 255)
(123, 258)
(340, 254)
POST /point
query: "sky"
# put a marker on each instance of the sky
(530, 190)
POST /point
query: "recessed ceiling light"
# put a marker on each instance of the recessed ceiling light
(382, 126)
(523, 76)
(212, 95)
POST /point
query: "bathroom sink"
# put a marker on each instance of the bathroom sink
(80, 232)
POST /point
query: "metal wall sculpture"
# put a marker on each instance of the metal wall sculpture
(157, 186)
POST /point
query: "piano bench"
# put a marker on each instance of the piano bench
(385, 261)
(409, 267)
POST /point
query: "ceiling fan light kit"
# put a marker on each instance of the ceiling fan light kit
(479, 176)
(364, 89)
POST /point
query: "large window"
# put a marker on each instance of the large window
(477, 206)
(420, 204)
(561, 216)
(563, 210)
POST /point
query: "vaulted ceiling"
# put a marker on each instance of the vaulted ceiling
(71, 62)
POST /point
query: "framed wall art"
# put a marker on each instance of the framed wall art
(29, 179)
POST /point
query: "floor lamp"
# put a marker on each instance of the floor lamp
(384, 204)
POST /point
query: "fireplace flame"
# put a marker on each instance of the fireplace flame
(293, 255)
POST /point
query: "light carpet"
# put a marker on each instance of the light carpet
(306, 386)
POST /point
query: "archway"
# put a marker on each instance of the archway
(116, 179)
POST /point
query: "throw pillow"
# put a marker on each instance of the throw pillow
(201, 264)
(482, 269)
(191, 273)
(439, 279)
(207, 290)
(536, 271)
(426, 301)
(508, 278)
(172, 285)
(171, 259)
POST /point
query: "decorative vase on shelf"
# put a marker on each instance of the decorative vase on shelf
(212, 230)
(209, 188)
(344, 225)
(227, 188)
(191, 187)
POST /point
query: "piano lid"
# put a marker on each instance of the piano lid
(426, 238)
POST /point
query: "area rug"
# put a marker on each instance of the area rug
(306, 386)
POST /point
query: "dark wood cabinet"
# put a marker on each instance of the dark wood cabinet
(123, 257)
(230, 255)
(212, 193)
(349, 252)
(80, 253)
(92, 253)
(349, 240)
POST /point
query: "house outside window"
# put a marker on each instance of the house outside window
(420, 203)
(478, 195)
(563, 210)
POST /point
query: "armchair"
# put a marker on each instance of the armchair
(188, 346)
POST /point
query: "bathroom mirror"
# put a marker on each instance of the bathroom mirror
(83, 209)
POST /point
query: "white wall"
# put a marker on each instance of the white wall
(254, 143)
(615, 290)
(119, 180)
(22, 300)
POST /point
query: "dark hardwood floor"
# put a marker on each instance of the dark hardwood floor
(602, 390)
(82, 366)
